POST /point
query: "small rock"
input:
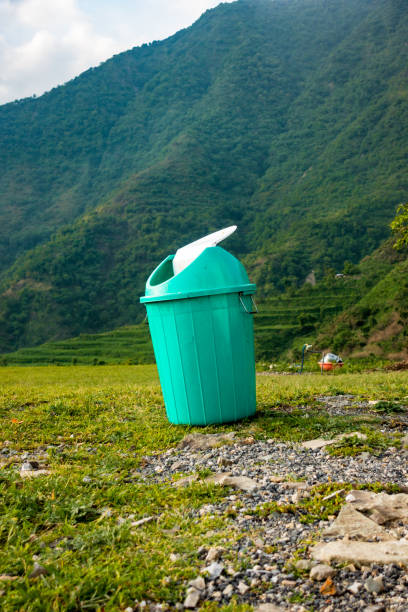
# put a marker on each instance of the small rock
(268, 607)
(214, 570)
(197, 583)
(321, 572)
(128, 609)
(174, 557)
(374, 585)
(30, 465)
(288, 583)
(38, 570)
(228, 591)
(87, 479)
(303, 565)
(242, 587)
(214, 553)
(223, 462)
(250, 440)
(192, 598)
(355, 588)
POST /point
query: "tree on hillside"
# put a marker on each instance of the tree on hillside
(400, 226)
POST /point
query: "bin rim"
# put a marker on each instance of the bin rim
(247, 289)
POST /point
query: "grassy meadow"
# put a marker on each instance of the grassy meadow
(92, 429)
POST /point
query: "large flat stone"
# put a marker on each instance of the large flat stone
(380, 507)
(321, 443)
(34, 473)
(223, 479)
(236, 482)
(363, 553)
(317, 443)
(354, 524)
(268, 607)
(199, 441)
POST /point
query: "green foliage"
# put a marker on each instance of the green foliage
(354, 445)
(399, 226)
(388, 407)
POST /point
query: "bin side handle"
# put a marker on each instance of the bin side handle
(255, 308)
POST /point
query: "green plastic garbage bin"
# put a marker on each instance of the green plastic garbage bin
(202, 331)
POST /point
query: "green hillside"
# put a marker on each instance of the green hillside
(281, 323)
(287, 118)
(377, 324)
(125, 345)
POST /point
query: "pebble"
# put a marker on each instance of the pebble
(303, 565)
(374, 585)
(192, 598)
(214, 554)
(321, 572)
(214, 570)
(355, 588)
(30, 465)
(228, 591)
(38, 570)
(242, 587)
(198, 583)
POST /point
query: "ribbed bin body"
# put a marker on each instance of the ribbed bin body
(203, 340)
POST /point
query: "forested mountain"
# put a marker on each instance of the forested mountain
(286, 117)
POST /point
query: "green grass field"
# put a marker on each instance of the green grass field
(91, 428)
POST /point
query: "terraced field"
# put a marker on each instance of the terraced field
(282, 323)
(289, 321)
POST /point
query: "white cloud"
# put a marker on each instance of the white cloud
(43, 43)
(46, 42)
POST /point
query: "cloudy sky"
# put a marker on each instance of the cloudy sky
(44, 43)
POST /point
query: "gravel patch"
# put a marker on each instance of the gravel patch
(284, 472)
